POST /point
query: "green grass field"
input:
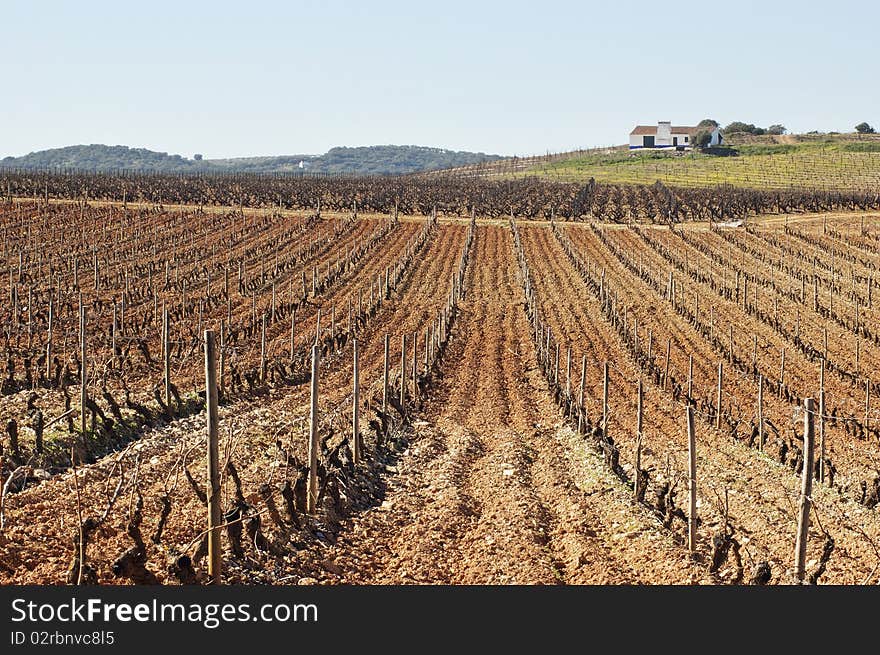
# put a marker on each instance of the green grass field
(829, 163)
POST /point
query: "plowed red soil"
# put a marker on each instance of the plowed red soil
(489, 483)
(489, 493)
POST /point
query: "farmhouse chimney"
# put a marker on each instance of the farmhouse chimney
(664, 133)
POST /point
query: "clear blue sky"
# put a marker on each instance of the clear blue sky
(265, 78)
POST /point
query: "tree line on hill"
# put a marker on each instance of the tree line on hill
(367, 160)
(703, 137)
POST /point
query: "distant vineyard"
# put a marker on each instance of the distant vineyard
(529, 198)
(809, 168)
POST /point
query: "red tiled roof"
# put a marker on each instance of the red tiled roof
(641, 130)
(651, 130)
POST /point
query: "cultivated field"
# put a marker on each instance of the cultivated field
(854, 166)
(508, 441)
(821, 162)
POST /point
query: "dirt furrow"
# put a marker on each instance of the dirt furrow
(762, 492)
(486, 490)
(41, 522)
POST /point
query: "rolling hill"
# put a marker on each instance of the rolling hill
(367, 160)
(827, 161)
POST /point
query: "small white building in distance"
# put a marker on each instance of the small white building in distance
(667, 135)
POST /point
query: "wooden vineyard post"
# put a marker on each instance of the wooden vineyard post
(556, 366)
(403, 372)
(49, 341)
(831, 296)
(356, 405)
(547, 349)
(214, 511)
(113, 334)
(760, 412)
(782, 370)
(83, 395)
(568, 374)
(730, 354)
(312, 495)
(666, 370)
(415, 365)
(800, 549)
(292, 333)
(605, 400)
(166, 356)
(318, 327)
(427, 350)
(537, 338)
(12, 296)
(640, 398)
(692, 480)
(581, 394)
(867, 403)
(822, 421)
(221, 386)
(690, 388)
(385, 376)
(718, 396)
(30, 313)
(263, 351)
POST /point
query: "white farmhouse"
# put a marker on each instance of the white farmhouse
(667, 135)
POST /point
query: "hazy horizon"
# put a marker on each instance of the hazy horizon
(252, 156)
(227, 80)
